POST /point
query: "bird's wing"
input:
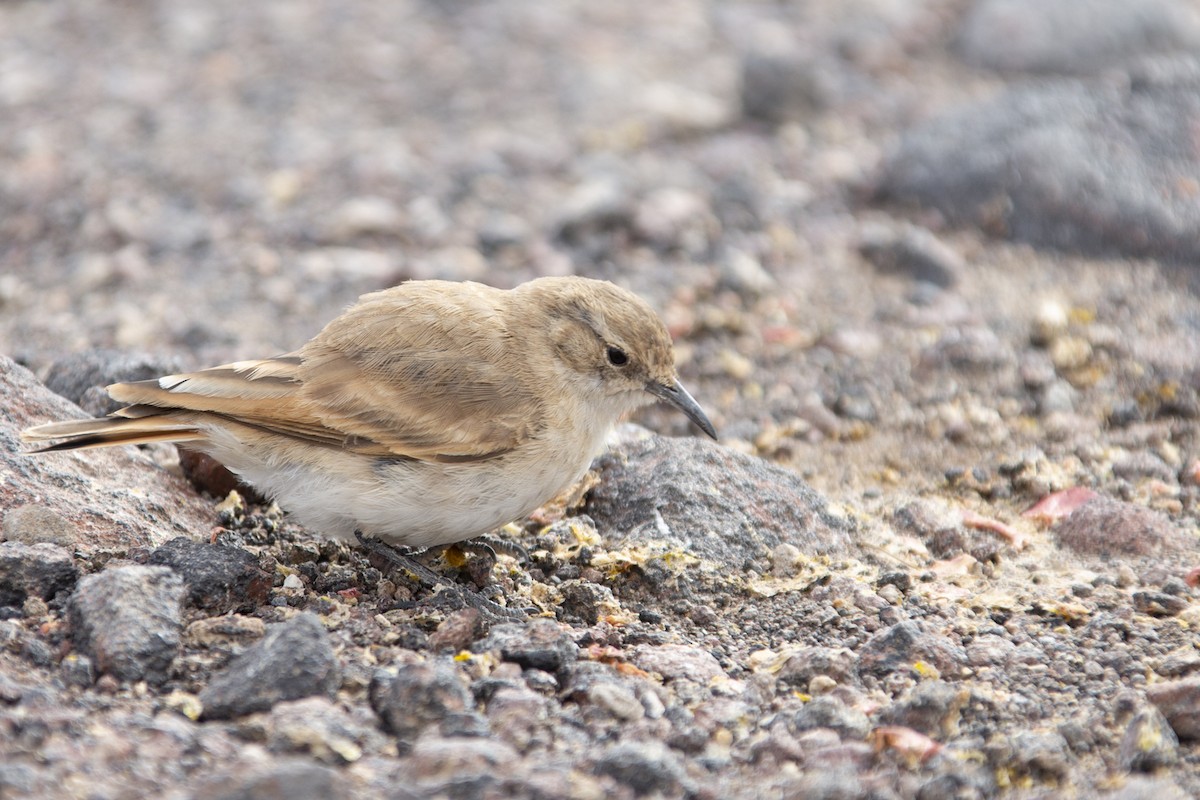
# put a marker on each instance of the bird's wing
(263, 394)
(424, 374)
(416, 384)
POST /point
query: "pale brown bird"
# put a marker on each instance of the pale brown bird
(426, 414)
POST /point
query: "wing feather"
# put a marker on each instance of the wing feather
(411, 372)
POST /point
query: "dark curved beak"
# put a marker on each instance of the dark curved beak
(678, 396)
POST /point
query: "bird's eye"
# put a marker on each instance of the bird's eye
(617, 357)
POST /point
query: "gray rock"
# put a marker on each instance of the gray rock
(841, 754)
(76, 670)
(219, 578)
(839, 782)
(294, 660)
(906, 643)
(1179, 702)
(281, 780)
(1067, 165)
(931, 707)
(1159, 604)
(1179, 663)
(809, 662)
(520, 717)
(723, 506)
(456, 632)
(40, 570)
(963, 781)
(1075, 36)
(538, 644)
(1057, 397)
(1144, 788)
(912, 251)
(18, 779)
(584, 601)
(1042, 756)
(11, 691)
(320, 728)
(455, 767)
(593, 208)
(831, 713)
(1138, 465)
(672, 218)
(786, 83)
(678, 662)
(128, 620)
(645, 767)
(32, 524)
(75, 376)
(617, 700)
(419, 696)
(968, 348)
(111, 499)
(581, 677)
(1148, 742)
(687, 735)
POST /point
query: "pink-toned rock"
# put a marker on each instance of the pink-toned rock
(678, 661)
(1179, 702)
(113, 499)
(1106, 527)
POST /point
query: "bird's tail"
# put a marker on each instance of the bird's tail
(132, 425)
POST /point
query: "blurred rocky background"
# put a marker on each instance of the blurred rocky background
(932, 268)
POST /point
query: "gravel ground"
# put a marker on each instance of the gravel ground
(932, 270)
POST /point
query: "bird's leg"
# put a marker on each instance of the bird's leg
(431, 580)
(484, 548)
(492, 544)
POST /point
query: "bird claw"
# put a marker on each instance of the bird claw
(428, 579)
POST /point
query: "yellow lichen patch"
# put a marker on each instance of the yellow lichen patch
(233, 504)
(185, 704)
(926, 670)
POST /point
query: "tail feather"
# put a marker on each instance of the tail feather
(108, 431)
(163, 409)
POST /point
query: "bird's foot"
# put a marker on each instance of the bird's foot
(428, 579)
(476, 556)
(494, 544)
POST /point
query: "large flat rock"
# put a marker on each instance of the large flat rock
(113, 498)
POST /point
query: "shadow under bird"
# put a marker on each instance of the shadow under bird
(426, 414)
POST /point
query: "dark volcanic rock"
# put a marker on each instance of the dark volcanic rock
(1068, 165)
(1077, 36)
(781, 87)
(808, 662)
(903, 645)
(538, 644)
(128, 620)
(40, 570)
(419, 696)
(219, 578)
(293, 660)
(723, 506)
(81, 377)
(645, 767)
(831, 713)
(931, 707)
(912, 251)
(209, 475)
